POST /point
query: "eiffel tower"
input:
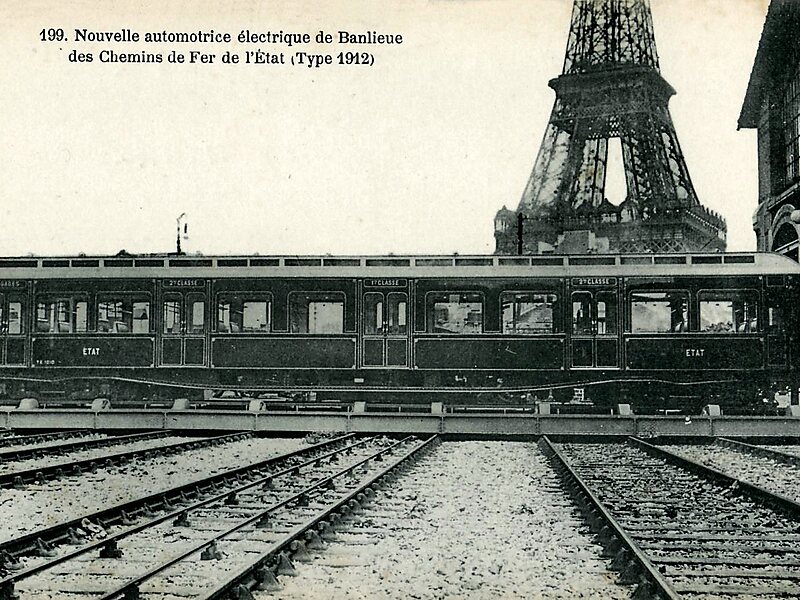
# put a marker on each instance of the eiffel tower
(611, 87)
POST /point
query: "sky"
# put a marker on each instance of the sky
(413, 154)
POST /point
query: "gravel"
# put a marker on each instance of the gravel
(472, 520)
(12, 466)
(675, 514)
(42, 505)
(55, 442)
(764, 472)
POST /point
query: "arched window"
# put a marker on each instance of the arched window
(786, 240)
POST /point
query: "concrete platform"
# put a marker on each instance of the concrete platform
(478, 424)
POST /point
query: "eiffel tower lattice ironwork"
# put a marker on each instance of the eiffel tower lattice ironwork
(611, 87)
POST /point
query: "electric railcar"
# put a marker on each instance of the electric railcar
(649, 330)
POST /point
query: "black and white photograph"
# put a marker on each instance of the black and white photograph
(415, 299)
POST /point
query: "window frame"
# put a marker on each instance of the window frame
(429, 307)
(556, 321)
(759, 316)
(162, 321)
(307, 293)
(22, 300)
(789, 115)
(246, 296)
(56, 297)
(120, 296)
(594, 316)
(689, 308)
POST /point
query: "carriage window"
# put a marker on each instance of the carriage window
(455, 313)
(15, 318)
(141, 317)
(728, 312)
(659, 312)
(606, 303)
(64, 315)
(319, 313)
(594, 314)
(198, 312)
(172, 316)
(528, 314)
(373, 314)
(775, 319)
(396, 320)
(582, 313)
(243, 314)
(123, 315)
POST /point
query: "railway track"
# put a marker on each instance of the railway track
(43, 473)
(273, 504)
(774, 471)
(74, 446)
(469, 521)
(680, 529)
(13, 439)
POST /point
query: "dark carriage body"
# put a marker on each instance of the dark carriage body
(480, 329)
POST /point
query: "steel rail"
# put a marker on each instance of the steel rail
(43, 474)
(783, 457)
(131, 588)
(62, 532)
(7, 583)
(38, 451)
(615, 539)
(252, 574)
(15, 440)
(765, 497)
(770, 500)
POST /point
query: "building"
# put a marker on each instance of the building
(772, 106)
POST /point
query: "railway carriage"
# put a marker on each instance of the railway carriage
(650, 330)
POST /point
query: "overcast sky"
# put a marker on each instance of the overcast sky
(414, 154)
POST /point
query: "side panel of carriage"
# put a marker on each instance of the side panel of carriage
(284, 323)
(489, 324)
(701, 324)
(92, 323)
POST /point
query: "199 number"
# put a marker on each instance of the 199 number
(52, 35)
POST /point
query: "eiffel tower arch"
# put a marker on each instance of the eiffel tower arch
(610, 87)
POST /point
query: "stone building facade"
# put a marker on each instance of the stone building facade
(772, 107)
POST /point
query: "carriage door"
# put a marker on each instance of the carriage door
(12, 333)
(594, 329)
(384, 329)
(183, 328)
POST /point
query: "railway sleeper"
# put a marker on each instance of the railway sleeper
(131, 593)
(327, 528)
(7, 591)
(43, 549)
(211, 552)
(265, 522)
(9, 562)
(299, 551)
(631, 574)
(285, 566)
(182, 520)
(622, 558)
(314, 541)
(265, 580)
(111, 550)
(645, 590)
(242, 593)
(74, 537)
